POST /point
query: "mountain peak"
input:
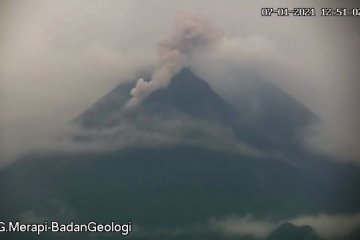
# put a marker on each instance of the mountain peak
(189, 94)
(186, 94)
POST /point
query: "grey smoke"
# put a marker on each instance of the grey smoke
(190, 32)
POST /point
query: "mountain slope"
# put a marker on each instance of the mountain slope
(186, 94)
(264, 116)
(193, 96)
(106, 108)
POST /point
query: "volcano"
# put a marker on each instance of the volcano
(264, 117)
(173, 189)
(186, 94)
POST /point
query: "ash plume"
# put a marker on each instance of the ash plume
(191, 33)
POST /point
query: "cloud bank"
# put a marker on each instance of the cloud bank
(330, 226)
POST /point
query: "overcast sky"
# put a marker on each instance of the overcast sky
(59, 57)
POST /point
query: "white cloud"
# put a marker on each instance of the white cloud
(326, 226)
(243, 226)
(152, 132)
(330, 226)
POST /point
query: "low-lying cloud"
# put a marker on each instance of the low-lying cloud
(244, 226)
(330, 226)
(327, 227)
(153, 131)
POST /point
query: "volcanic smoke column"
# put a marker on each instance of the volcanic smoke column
(191, 33)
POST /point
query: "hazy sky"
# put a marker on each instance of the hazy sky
(59, 57)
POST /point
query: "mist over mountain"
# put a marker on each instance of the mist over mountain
(265, 116)
(187, 182)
